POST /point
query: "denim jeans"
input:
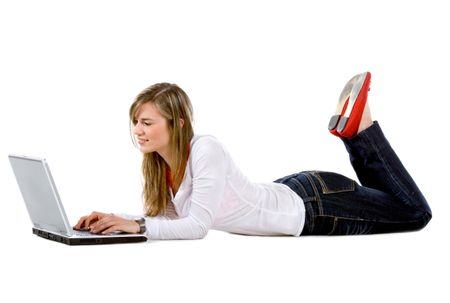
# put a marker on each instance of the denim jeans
(388, 200)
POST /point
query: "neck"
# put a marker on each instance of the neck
(166, 155)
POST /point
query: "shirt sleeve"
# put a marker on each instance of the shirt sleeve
(208, 168)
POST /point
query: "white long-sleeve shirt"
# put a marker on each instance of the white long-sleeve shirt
(214, 194)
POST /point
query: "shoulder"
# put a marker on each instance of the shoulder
(205, 143)
(207, 147)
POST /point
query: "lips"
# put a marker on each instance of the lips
(141, 141)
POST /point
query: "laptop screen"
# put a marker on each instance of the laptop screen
(40, 194)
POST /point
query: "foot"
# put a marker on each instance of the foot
(366, 119)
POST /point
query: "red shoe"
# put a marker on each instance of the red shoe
(345, 122)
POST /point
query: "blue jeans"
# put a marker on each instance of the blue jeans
(388, 200)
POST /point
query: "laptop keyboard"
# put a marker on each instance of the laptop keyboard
(81, 233)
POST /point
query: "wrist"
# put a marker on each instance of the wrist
(141, 228)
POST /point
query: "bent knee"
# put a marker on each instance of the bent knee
(423, 220)
(427, 217)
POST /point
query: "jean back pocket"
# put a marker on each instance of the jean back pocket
(332, 183)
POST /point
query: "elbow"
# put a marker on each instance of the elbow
(200, 232)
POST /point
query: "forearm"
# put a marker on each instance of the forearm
(187, 228)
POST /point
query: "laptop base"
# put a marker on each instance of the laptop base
(87, 241)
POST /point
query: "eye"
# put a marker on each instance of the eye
(146, 123)
(134, 122)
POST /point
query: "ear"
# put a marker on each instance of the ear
(181, 123)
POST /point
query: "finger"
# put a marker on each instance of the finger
(103, 224)
(93, 217)
(80, 222)
(110, 230)
(118, 224)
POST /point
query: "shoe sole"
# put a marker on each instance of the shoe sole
(348, 124)
(349, 97)
(343, 101)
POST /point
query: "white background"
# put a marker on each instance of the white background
(264, 78)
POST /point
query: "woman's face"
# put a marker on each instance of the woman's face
(151, 131)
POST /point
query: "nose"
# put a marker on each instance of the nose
(137, 129)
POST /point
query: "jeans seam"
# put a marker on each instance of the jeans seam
(334, 226)
(316, 199)
(374, 221)
(300, 186)
(309, 216)
(316, 193)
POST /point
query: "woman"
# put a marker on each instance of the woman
(191, 183)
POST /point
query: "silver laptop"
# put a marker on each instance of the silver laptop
(46, 210)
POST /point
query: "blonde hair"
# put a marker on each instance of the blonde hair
(174, 105)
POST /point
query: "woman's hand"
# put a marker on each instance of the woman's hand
(98, 222)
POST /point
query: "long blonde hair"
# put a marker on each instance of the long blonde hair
(174, 105)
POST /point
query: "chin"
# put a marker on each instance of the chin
(146, 150)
